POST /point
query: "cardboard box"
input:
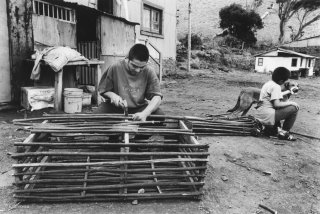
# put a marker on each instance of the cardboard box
(35, 98)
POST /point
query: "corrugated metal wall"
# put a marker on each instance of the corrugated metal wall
(90, 51)
(5, 81)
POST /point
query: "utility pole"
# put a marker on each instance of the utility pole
(189, 37)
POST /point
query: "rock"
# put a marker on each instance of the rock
(134, 202)
(141, 191)
(182, 68)
(266, 173)
(224, 69)
(195, 65)
(224, 178)
(172, 82)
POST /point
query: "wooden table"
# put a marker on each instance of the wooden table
(58, 80)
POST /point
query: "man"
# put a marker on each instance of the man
(132, 80)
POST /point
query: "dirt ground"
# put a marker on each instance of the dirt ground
(235, 182)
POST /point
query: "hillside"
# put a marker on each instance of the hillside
(205, 19)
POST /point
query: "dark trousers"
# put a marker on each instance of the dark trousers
(107, 107)
(288, 114)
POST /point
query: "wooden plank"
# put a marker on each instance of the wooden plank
(96, 96)
(188, 139)
(58, 90)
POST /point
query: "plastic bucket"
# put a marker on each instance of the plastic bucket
(72, 100)
(86, 99)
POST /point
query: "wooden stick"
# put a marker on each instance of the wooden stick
(106, 196)
(304, 135)
(148, 144)
(138, 154)
(103, 179)
(105, 187)
(85, 177)
(165, 160)
(155, 175)
(101, 169)
(269, 209)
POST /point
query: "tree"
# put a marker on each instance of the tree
(240, 23)
(306, 12)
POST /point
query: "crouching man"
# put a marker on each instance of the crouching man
(132, 80)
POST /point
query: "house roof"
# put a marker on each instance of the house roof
(65, 3)
(284, 51)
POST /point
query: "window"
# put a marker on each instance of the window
(309, 64)
(260, 61)
(106, 6)
(294, 62)
(46, 9)
(151, 20)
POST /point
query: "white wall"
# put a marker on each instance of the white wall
(270, 63)
(5, 82)
(167, 44)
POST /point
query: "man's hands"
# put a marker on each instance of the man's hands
(116, 100)
(142, 116)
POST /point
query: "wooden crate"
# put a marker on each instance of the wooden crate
(86, 166)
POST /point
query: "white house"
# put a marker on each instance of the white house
(268, 61)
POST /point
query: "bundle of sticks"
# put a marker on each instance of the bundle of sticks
(226, 126)
(105, 158)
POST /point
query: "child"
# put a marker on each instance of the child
(272, 109)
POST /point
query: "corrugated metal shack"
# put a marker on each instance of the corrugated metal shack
(41, 23)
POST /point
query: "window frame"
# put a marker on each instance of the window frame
(260, 61)
(147, 30)
(294, 60)
(60, 13)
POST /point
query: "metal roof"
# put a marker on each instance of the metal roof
(65, 3)
(286, 51)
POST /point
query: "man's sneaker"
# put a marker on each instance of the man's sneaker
(285, 135)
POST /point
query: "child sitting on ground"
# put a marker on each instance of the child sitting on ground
(272, 108)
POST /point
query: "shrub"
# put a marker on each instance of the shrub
(196, 41)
